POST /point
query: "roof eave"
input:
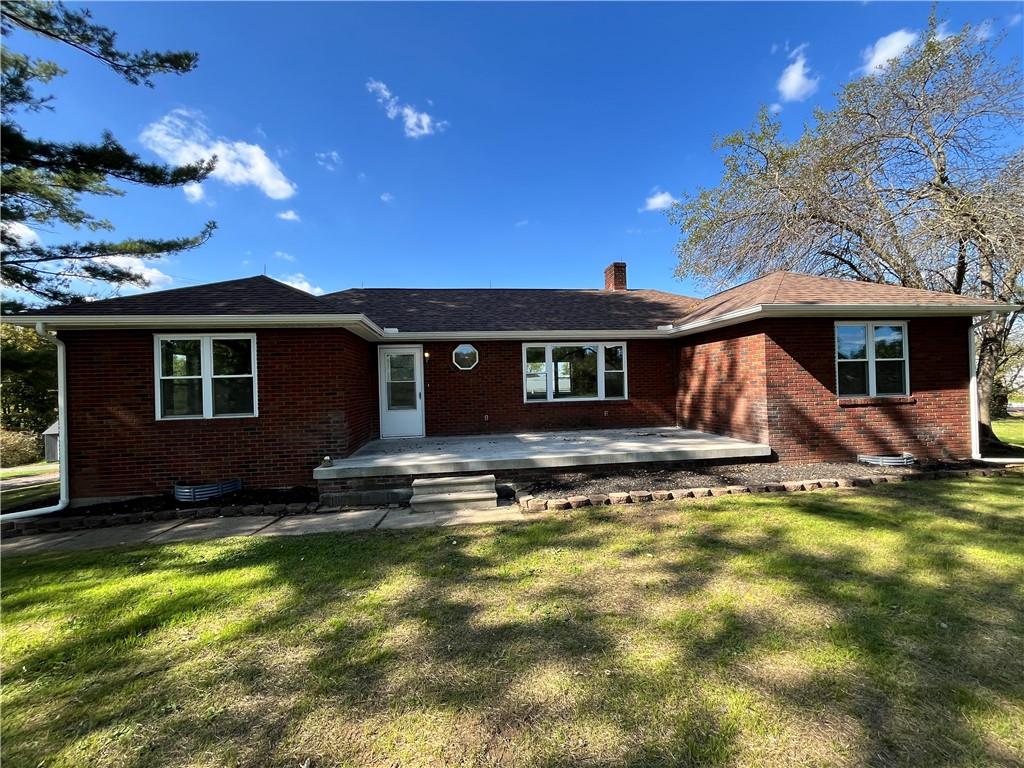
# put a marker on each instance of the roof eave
(359, 324)
(759, 311)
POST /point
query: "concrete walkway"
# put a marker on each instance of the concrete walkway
(21, 482)
(205, 529)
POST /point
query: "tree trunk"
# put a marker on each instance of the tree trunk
(990, 341)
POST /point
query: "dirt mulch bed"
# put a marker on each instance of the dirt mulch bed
(584, 484)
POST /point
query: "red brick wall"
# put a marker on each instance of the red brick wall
(808, 422)
(314, 399)
(722, 383)
(489, 398)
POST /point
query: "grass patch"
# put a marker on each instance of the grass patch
(1010, 430)
(14, 498)
(28, 470)
(877, 627)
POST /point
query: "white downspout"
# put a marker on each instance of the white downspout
(972, 354)
(62, 438)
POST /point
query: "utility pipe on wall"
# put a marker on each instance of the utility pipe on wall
(62, 438)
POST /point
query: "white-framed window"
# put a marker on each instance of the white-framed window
(872, 359)
(574, 371)
(465, 357)
(205, 376)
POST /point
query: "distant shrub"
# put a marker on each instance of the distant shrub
(18, 448)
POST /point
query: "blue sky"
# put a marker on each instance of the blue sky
(513, 145)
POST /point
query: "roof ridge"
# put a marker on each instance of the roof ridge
(782, 278)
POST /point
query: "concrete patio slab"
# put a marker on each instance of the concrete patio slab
(202, 528)
(527, 450)
(356, 520)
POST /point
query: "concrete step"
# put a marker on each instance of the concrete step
(461, 484)
(454, 502)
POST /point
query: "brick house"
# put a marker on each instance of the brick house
(256, 380)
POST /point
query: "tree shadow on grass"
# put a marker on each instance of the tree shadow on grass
(601, 637)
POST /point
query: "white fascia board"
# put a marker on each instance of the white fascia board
(758, 311)
(357, 323)
(577, 335)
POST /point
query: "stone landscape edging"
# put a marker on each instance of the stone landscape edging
(529, 503)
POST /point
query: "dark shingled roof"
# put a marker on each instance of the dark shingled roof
(258, 295)
(794, 288)
(445, 310)
(448, 310)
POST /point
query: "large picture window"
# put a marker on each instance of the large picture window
(573, 371)
(205, 377)
(871, 359)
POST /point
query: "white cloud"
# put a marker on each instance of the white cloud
(658, 201)
(984, 30)
(151, 274)
(775, 107)
(181, 137)
(386, 197)
(330, 160)
(522, 223)
(298, 280)
(283, 256)
(288, 215)
(775, 48)
(194, 192)
(885, 49)
(414, 123)
(796, 83)
(24, 234)
(1014, 20)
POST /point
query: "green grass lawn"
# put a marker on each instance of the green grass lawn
(27, 470)
(874, 627)
(1010, 430)
(28, 495)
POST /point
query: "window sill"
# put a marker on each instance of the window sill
(861, 402)
(209, 418)
(566, 400)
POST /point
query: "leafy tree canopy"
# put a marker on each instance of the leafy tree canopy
(915, 178)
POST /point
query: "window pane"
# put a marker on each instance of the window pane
(852, 342)
(577, 371)
(614, 384)
(181, 397)
(889, 379)
(401, 395)
(536, 386)
(853, 378)
(466, 356)
(232, 357)
(613, 358)
(181, 357)
(232, 397)
(888, 341)
(401, 367)
(535, 356)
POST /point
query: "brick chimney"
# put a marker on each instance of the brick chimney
(615, 276)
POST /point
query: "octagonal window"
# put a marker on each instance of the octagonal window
(465, 357)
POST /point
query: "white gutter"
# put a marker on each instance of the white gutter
(365, 328)
(357, 323)
(758, 311)
(62, 437)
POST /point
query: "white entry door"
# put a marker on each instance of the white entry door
(401, 391)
